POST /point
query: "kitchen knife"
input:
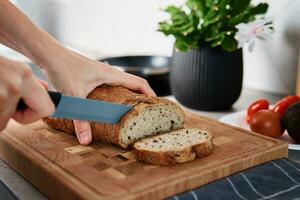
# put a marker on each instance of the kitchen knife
(70, 107)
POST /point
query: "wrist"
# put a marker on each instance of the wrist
(46, 53)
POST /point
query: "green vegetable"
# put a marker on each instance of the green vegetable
(208, 22)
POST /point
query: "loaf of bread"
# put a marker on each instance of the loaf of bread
(178, 146)
(149, 116)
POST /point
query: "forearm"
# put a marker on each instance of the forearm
(20, 34)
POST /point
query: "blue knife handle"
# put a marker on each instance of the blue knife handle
(55, 97)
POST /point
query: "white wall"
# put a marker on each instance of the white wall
(124, 27)
(272, 65)
(114, 27)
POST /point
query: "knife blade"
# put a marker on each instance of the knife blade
(70, 107)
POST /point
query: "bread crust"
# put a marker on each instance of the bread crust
(110, 133)
(173, 157)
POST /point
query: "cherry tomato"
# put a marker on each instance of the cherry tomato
(258, 105)
(281, 106)
(267, 122)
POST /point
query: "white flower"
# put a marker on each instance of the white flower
(260, 28)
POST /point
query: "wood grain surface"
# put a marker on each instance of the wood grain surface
(62, 169)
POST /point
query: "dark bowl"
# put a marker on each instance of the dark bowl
(155, 69)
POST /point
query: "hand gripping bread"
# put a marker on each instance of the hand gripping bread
(149, 116)
(174, 147)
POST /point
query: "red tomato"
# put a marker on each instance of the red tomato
(267, 122)
(284, 103)
(261, 104)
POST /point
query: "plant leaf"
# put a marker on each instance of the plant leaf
(210, 3)
(259, 9)
(173, 10)
(213, 35)
(240, 5)
(243, 17)
(229, 44)
(181, 45)
(209, 22)
(197, 6)
(211, 18)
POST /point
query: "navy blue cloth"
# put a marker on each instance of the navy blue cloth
(279, 179)
(6, 193)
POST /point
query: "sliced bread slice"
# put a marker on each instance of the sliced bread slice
(174, 147)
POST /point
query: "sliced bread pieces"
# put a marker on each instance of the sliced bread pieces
(149, 116)
(174, 147)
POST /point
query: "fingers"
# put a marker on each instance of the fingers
(82, 128)
(143, 86)
(44, 83)
(36, 98)
(132, 82)
(7, 102)
(27, 116)
(146, 89)
(17, 81)
(5, 110)
(137, 84)
(83, 132)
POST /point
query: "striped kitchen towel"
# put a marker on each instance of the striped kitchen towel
(279, 179)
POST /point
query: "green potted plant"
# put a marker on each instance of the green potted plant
(207, 68)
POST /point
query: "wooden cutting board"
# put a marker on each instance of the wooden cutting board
(62, 169)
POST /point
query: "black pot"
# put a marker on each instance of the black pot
(207, 78)
(155, 69)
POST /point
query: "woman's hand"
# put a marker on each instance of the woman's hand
(70, 73)
(75, 75)
(16, 82)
